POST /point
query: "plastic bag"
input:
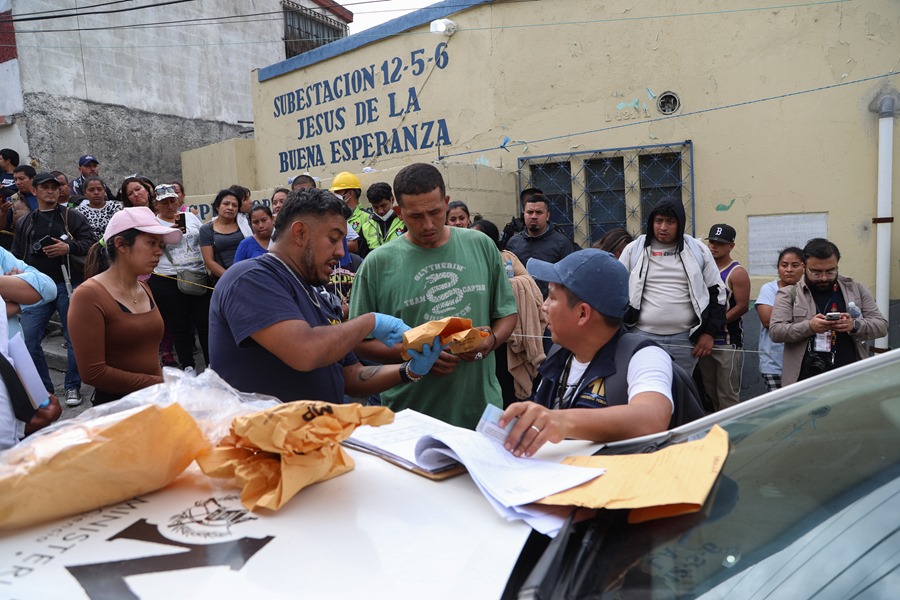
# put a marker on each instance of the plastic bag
(119, 450)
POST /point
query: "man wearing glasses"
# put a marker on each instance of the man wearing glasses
(813, 320)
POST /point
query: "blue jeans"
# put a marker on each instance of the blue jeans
(34, 324)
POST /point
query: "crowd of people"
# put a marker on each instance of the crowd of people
(307, 296)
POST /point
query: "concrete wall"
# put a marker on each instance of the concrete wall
(136, 97)
(199, 71)
(124, 140)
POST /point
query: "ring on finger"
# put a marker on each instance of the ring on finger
(536, 428)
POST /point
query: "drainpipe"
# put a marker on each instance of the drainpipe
(885, 107)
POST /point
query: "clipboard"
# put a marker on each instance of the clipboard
(446, 472)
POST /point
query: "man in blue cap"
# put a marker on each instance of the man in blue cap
(88, 166)
(595, 364)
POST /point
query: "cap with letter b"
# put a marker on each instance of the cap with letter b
(722, 233)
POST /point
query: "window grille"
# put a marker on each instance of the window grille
(306, 29)
(593, 192)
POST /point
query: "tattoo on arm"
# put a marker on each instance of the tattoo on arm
(367, 373)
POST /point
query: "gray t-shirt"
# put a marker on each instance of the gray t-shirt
(666, 307)
(224, 244)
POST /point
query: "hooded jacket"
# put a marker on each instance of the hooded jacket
(703, 279)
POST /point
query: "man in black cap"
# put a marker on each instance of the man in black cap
(54, 240)
(721, 370)
(89, 166)
(595, 364)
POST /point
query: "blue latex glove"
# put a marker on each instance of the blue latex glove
(388, 330)
(421, 362)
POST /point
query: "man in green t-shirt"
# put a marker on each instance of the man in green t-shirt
(433, 272)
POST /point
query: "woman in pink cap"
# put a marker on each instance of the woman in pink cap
(115, 324)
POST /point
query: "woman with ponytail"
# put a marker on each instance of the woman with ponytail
(115, 325)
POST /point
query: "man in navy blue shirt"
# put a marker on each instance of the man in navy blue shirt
(270, 332)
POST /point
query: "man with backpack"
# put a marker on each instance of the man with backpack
(595, 364)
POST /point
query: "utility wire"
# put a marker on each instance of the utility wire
(22, 19)
(44, 16)
(225, 19)
(59, 10)
(678, 116)
(204, 21)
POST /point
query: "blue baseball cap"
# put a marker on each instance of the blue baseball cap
(86, 160)
(595, 276)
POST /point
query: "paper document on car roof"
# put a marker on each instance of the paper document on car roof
(672, 481)
(509, 480)
(396, 443)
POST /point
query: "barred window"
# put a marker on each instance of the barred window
(306, 29)
(593, 192)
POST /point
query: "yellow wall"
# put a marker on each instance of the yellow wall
(558, 76)
(218, 166)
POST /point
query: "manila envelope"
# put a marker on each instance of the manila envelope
(669, 482)
(455, 331)
(88, 465)
(274, 453)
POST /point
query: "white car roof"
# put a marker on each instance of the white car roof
(376, 532)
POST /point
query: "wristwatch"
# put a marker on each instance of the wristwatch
(407, 376)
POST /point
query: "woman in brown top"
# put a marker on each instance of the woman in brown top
(115, 324)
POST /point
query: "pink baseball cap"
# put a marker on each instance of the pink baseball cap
(142, 219)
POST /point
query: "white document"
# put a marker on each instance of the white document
(398, 439)
(21, 361)
(510, 480)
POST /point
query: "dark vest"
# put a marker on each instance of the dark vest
(605, 381)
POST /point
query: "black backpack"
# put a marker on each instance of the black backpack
(684, 392)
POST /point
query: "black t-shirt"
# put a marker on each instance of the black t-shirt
(832, 300)
(49, 223)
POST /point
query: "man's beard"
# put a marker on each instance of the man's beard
(823, 286)
(311, 269)
(534, 228)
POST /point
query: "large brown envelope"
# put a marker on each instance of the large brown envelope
(455, 331)
(108, 459)
(273, 454)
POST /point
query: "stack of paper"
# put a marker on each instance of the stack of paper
(510, 484)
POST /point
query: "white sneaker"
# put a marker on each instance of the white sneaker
(73, 398)
(189, 371)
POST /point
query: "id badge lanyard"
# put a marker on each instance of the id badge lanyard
(825, 341)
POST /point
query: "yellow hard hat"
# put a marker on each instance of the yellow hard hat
(345, 181)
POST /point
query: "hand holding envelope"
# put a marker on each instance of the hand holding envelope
(457, 335)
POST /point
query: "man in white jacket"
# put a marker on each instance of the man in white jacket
(675, 293)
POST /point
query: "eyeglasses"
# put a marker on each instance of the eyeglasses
(162, 190)
(816, 274)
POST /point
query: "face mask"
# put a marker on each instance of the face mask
(387, 216)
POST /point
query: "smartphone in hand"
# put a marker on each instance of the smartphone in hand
(181, 222)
